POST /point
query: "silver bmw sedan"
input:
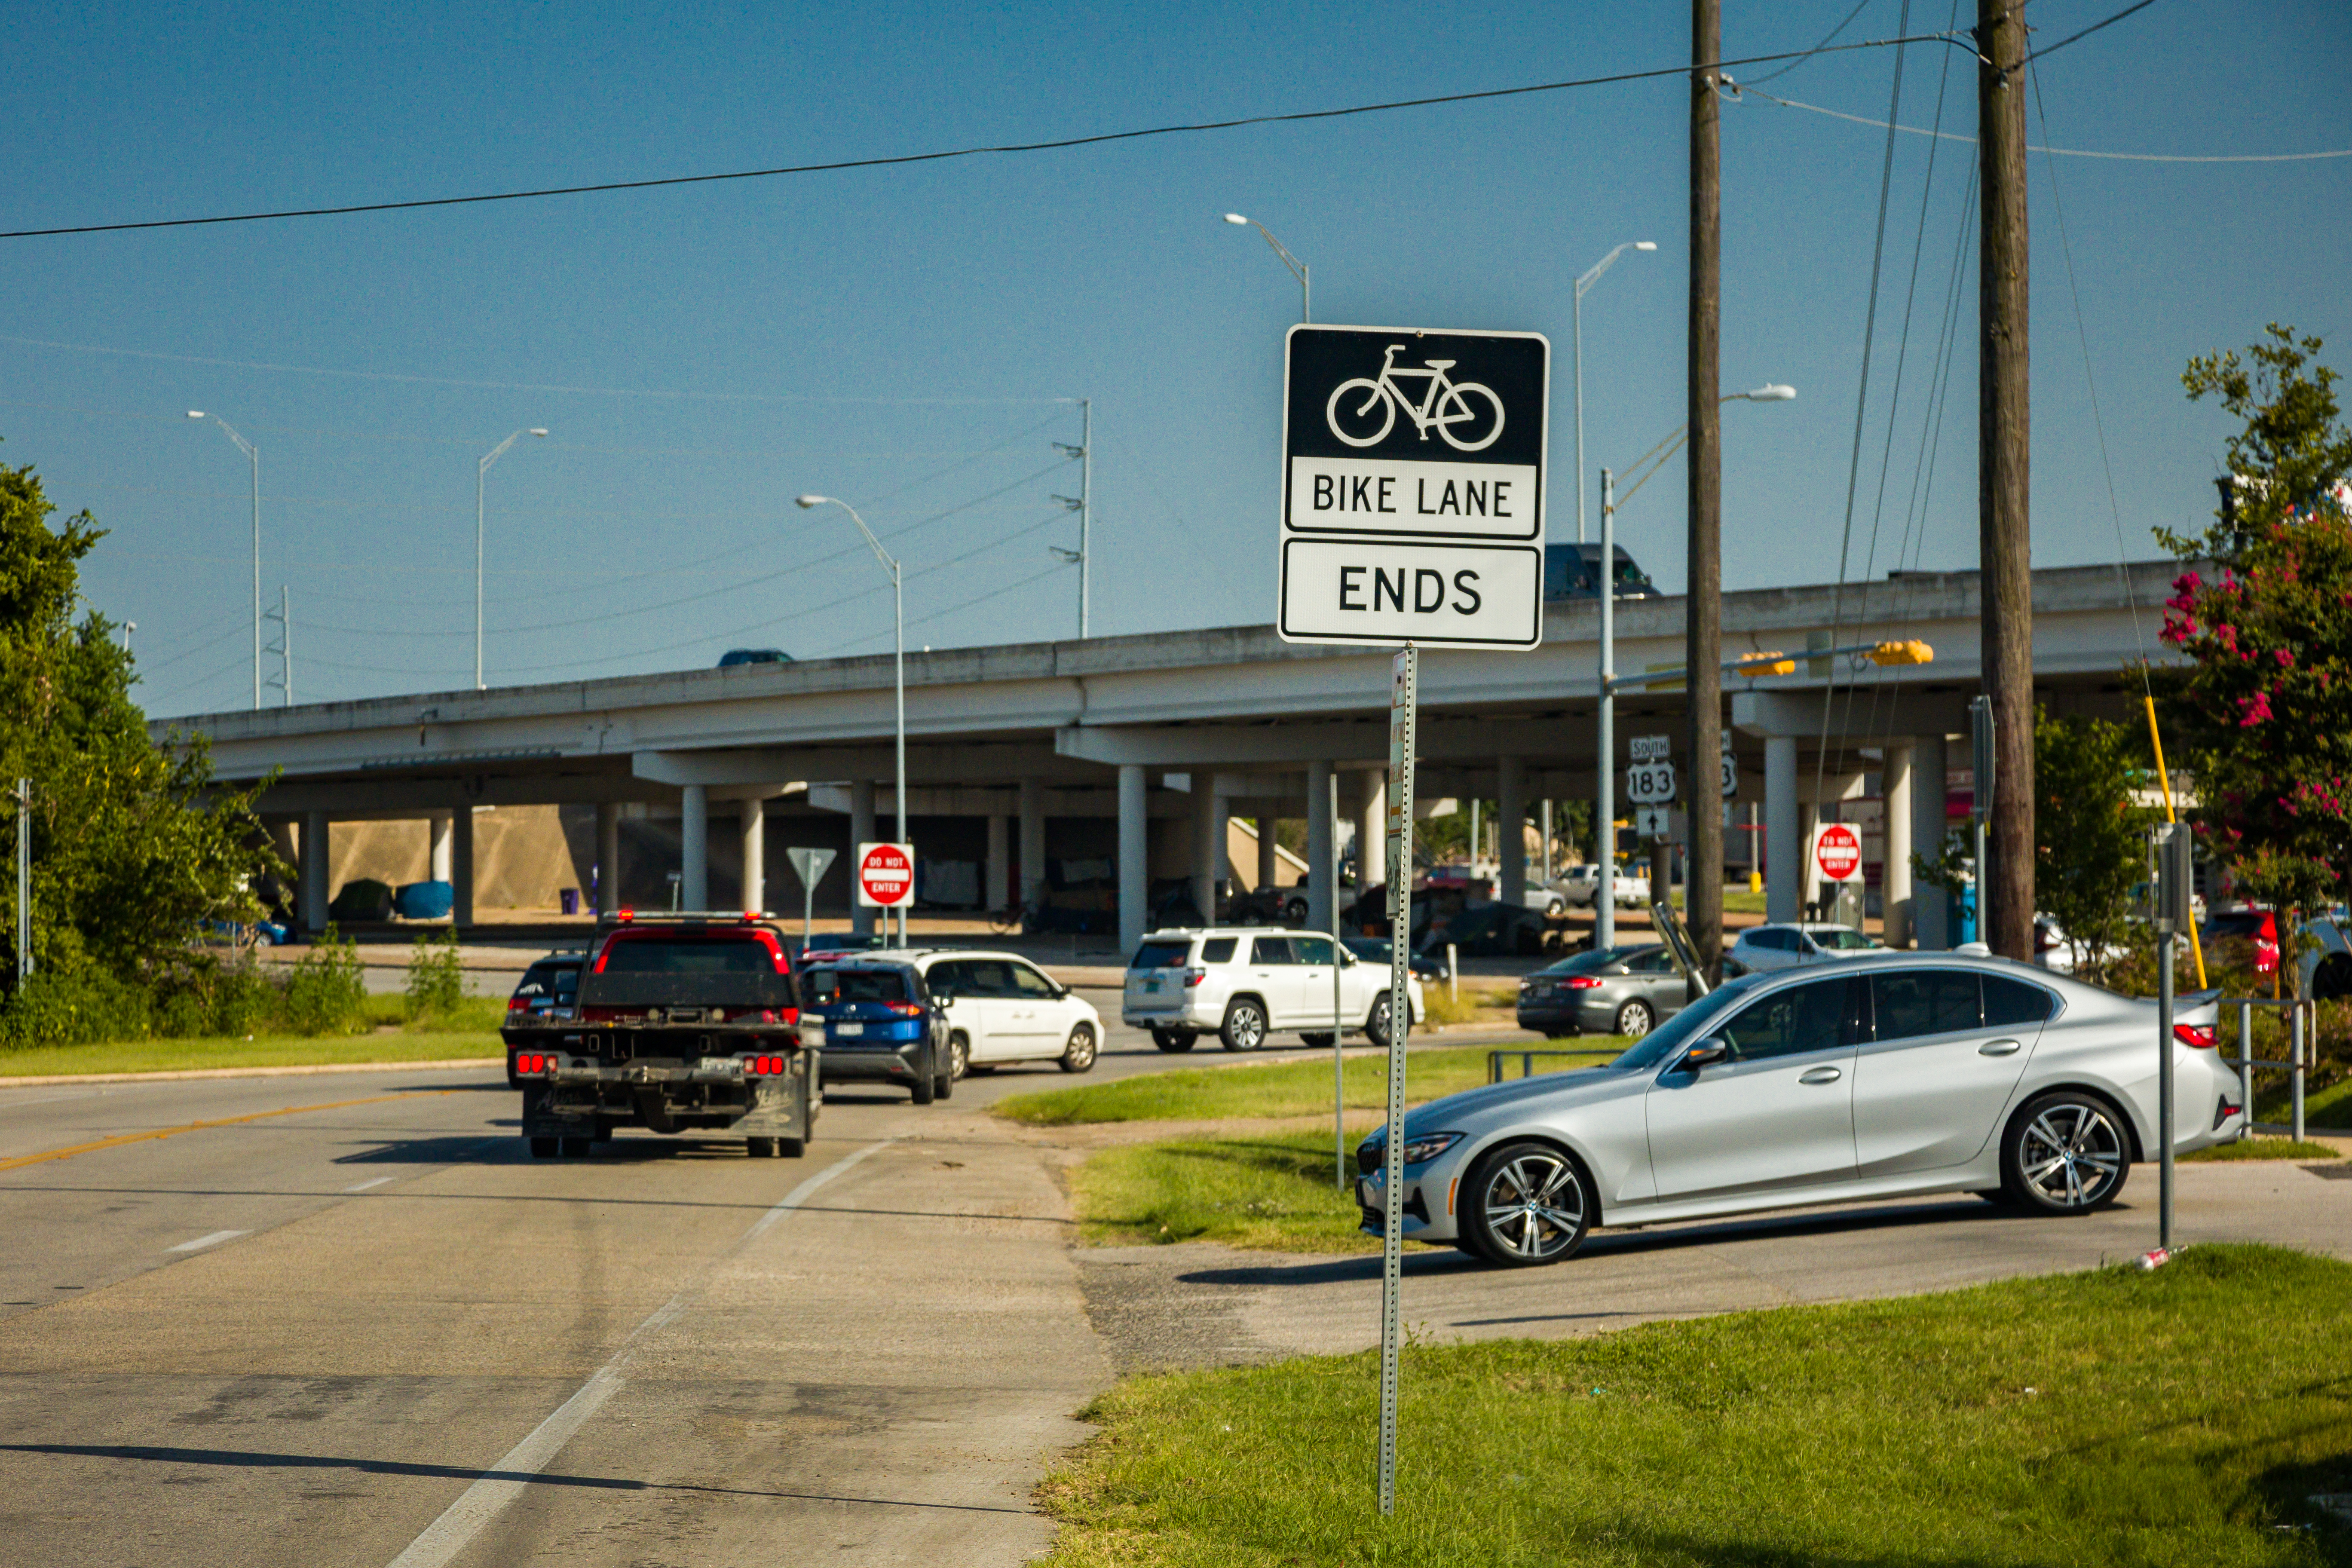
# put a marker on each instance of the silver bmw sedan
(1837, 1082)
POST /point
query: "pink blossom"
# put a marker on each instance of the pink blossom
(2252, 710)
(2286, 660)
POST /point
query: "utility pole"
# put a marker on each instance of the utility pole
(283, 617)
(1703, 602)
(1083, 504)
(2004, 522)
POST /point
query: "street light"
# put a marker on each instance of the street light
(1584, 283)
(1296, 265)
(254, 452)
(480, 474)
(1604, 895)
(898, 657)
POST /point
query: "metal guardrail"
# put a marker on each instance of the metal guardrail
(2303, 1029)
(1526, 1058)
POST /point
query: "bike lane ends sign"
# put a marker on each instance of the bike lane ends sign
(1412, 489)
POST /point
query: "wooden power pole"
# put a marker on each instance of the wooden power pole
(2004, 430)
(1703, 611)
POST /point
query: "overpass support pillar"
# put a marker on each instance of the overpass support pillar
(1511, 831)
(1134, 856)
(1894, 878)
(439, 866)
(754, 824)
(1784, 856)
(1207, 822)
(861, 831)
(1000, 861)
(1321, 846)
(1373, 832)
(317, 838)
(1269, 853)
(461, 867)
(694, 847)
(1033, 842)
(608, 857)
(1930, 907)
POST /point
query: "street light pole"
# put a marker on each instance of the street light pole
(1298, 268)
(254, 453)
(898, 657)
(481, 473)
(1584, 283)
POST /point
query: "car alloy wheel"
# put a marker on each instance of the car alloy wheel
(2066, 1153)
(1376, 1027)
(1245, 1028)
(1634, 1019)
(1079, 1054)
(1525, 1203)
(959, 1056)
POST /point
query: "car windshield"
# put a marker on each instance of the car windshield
(687, 955)
(1840, 940)
(1681, 1029)
(825, 986)
(1161, 955)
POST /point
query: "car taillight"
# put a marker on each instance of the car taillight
(2199, 1037)
(907, 1010)
(1194, 976)
(1584, 983)
(516, 1004)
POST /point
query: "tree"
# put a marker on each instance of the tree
(129, 853)
(2091, 832)
(2262, 709)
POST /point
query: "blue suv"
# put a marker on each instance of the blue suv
(881, 1026)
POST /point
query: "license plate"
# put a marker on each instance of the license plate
(845, 1029)
(1152, 985)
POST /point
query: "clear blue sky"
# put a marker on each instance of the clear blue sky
(892, 336)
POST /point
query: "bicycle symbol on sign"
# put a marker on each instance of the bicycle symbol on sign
(1443, 405)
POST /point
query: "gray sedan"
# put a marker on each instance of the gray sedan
(1613, 991)
(1837, 1082)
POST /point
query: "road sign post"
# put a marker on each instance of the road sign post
(885, 877)
(808, 865)
(1405, 694)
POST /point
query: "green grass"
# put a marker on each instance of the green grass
(2100, 1418)
(1271, 1088)
(2262, 1149)
(1274, 1191)
(470, 1030)
(2329, 1108)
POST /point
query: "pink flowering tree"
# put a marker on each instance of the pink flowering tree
(2261, 714)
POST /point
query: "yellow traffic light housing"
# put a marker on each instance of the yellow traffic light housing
(1910, 651)
(1755, 665)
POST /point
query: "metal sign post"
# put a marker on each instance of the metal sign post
(1338, 1073)
(809, 865)
(1980, 745)
(1404, 693)
(2175, 886)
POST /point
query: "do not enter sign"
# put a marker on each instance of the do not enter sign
(885, 875)
(1838, 852)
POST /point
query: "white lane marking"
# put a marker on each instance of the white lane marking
(48, 1099)
(487, 1497)
(214, 1239)
(365, 1185)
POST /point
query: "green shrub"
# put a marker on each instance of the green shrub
(73, 1008)
(437, 984)
(325, 994)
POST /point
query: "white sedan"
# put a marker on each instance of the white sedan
(1764, 948)
(1001, 1008)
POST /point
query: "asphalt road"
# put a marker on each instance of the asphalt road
(348, 1321)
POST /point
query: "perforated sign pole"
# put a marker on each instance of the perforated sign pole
(1403, 697)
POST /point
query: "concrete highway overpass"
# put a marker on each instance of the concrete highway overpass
(1123, 757)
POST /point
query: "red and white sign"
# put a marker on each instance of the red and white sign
(885, 875)
(1837, 852)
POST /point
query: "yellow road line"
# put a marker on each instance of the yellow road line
(23, 1160)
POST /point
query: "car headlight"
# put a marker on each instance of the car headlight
(1429, 1146)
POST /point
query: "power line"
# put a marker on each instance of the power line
(1059, 144)
(2053, 152)
(2085, 33)
(1827, 39)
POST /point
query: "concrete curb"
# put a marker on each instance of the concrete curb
(53, 1079)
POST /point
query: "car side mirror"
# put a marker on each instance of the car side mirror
(943, 997)
(1704, 1054)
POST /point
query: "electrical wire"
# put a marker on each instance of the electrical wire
(1827, 39)
(2075, 38)
(1742, 89)
(1058, 144)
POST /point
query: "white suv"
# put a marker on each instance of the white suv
(1001, 1008)
(1241, 985)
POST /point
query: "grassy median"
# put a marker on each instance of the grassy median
(2109, 1417)
(468, 1030)
(1277, 1088)
(1271, 1189)
(2262, 1149)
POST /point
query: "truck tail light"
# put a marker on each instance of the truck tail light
(763, 1067)
(599, 1014)
(2197, 1036)
(533, 1062)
